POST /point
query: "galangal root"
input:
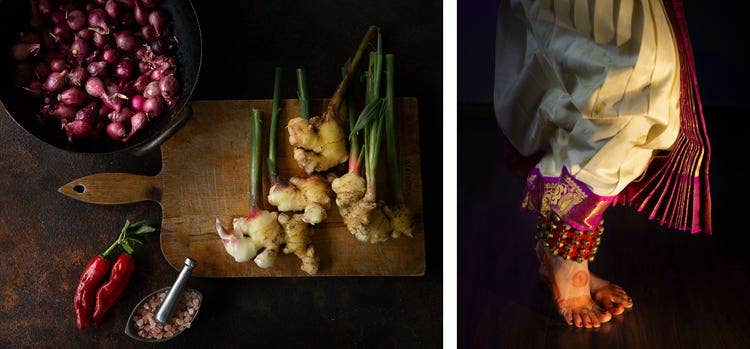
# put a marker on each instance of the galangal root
(298, 237)
(257, 238)
(366, 218)
(320, 142)
(302, 194)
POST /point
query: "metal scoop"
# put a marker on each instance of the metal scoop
(167, 306)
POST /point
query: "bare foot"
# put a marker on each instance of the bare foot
(569, 282)
(610, 296)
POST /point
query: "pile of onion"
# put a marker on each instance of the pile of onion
(98, 66)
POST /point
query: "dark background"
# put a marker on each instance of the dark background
(47, 238)
(688, 290)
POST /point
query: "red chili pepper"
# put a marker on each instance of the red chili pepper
(91, 278)
(111, 291)
(87, 300)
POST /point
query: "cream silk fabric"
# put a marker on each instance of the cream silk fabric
(594, 83)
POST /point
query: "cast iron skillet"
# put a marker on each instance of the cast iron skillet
(14, 15)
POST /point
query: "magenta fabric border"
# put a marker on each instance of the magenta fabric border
(566, 196)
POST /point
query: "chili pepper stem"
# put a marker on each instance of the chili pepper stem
(273, 173)
(255, 176)
(110, 249)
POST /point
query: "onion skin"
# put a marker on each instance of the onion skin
(78, 76)
(98, 21)
(23, 51)
(72, 97)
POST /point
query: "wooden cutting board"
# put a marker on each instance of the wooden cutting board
(205, 175)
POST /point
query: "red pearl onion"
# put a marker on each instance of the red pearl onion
(137, 121)
(88, 113)
(124, 69)
(113, 9)
(137, 102)
(45, 6)
(122, 115)
(110, 56)
(158, 20)
(140, 84)
(97, 68)
(153, 107)
(79, 48)
(57, 65)
(55, 81)
(117, 131)
(85, 34)
(95, 87)
(100, 40)
(152, 90)
(61, 111)
(169, 86)
(141, 16)
(72, 97)
(148, 33)
(125, 41)
(79, 130)
(76, 20)
(150, 3)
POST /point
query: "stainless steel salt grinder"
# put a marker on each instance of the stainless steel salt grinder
(165, 310)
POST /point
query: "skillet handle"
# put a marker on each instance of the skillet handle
(182, 118)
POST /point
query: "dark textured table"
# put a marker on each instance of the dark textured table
(47, 238)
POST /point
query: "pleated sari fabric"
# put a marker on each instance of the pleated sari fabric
(603, 93)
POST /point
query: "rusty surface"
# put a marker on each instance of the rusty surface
(47, 238)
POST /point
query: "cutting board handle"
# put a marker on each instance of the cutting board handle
(113, 188)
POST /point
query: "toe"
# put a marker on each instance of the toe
(577, 319)
(587, 322)
(601, 315)
(568, 317)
